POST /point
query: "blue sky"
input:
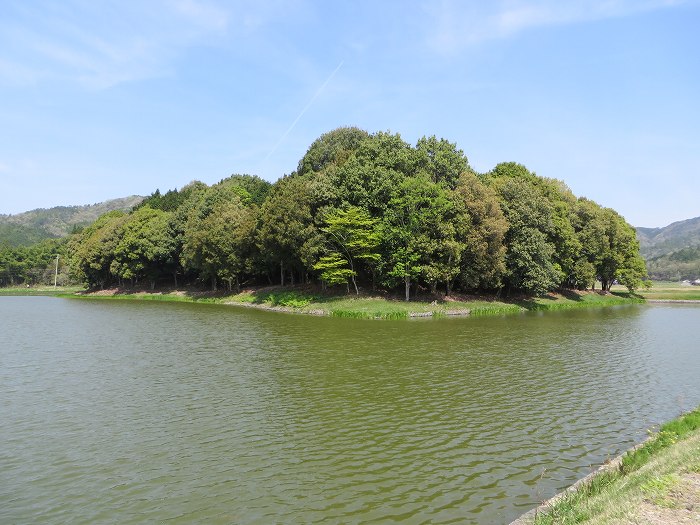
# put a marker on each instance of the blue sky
(103, 99)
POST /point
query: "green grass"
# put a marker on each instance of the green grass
(657, 489)
(647, 472)
(311, 301)
(570, 300)
(669, 291)
(363, 307)
(40, 290)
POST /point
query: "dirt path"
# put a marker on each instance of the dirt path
(680, 506)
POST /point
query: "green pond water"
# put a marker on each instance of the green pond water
(128, 412)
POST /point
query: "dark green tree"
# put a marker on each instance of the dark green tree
(286, 225)
(145, 248)
(441, 160)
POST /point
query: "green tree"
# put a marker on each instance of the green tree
(92, 251)
(369, 177)
(620, 259)
(409, 234)
(218, 241)
(334, 269)
(481, 230)
(530, 264)
(146, 246)
(286, 225)
(441, 160)
(354, 237)
(331, 150)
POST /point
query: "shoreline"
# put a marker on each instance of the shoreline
(631, 480)
(308, 301)
(610, 467)
(672, 301)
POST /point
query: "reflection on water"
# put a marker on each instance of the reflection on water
(133, 412)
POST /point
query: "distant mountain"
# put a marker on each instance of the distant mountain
(661, 241)
(672, 252)
(32, 226)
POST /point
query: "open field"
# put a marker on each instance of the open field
(664, 290)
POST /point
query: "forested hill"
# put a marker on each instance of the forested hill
(672, 252)
(367, 210)
(662, 241)
(24, 229)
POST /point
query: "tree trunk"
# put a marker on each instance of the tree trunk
(448, 288)
(282, 273)
(407, 282)
(213, 283)
(175, 278)
(354, 283)
(292, 277)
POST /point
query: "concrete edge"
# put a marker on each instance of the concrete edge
(529, 517)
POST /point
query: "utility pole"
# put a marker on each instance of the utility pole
(55, 277)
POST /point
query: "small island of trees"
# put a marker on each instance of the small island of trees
(367, 211)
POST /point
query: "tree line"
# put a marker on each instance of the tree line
(35, 264)
(367, 210)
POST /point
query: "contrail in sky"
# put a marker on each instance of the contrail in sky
(313, 99)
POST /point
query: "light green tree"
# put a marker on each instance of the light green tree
(353, 236)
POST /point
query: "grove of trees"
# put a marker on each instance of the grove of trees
(367, 211)
(35, 264)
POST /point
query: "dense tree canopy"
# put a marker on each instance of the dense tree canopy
(34, 264)
(367, 210)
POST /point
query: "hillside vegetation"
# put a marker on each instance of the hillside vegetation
(367, 211)
(672, 252)
(24, 229)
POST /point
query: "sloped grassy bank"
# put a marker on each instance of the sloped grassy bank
(656, 482)
(309, 301)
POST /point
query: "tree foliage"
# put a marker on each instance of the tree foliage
(353, 237)
(367, 209)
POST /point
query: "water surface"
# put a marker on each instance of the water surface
(126, 412)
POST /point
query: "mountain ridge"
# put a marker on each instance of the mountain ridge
(672, 252)
(32, 226)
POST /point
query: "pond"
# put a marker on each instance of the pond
(133, 412)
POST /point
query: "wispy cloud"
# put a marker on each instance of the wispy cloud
(100, 45)
(460, 24)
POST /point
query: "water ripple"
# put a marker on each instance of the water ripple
(125, 413)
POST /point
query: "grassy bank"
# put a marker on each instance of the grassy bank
(40, 290)
(311, 301)
(657, 482)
